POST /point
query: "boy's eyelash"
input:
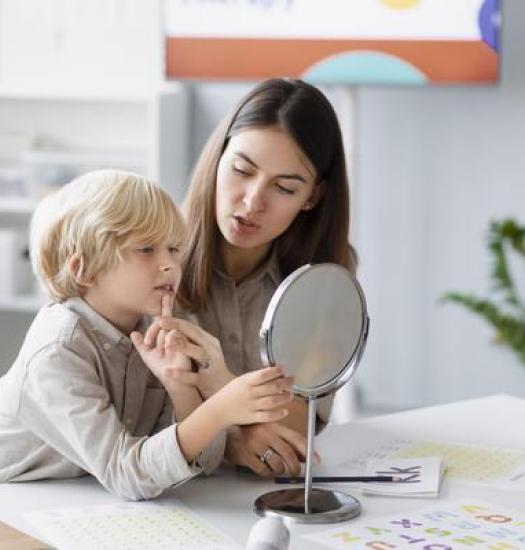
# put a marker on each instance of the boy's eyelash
(148, 249)
(240, 171)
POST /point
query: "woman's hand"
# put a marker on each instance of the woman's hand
(260, 396)
(246, 444)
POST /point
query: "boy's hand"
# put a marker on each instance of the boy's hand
(164, 360)
(259, 396)
(201, 346)
(164, 357)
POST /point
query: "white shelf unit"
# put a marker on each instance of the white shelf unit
(147, 133)
(15, 212)
(84, 89)
(29, 303)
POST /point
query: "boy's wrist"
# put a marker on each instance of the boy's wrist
(217, 411)
(178, 389)
(210, 385)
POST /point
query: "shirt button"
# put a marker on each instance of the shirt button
(106, 346)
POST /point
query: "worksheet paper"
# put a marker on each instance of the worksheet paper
(129, 525)
(498, 467)
(449, 526)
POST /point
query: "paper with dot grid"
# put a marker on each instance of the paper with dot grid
(487, 465)
(130, 526)
(472, 463)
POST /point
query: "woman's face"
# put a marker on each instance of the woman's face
(263, 181)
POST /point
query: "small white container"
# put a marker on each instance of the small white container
(269, 533)
(16, 276)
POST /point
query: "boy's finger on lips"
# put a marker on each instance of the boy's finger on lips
(166, 306)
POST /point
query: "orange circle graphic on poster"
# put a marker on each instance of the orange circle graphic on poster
(400, 4)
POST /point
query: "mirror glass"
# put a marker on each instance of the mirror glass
(315, 327)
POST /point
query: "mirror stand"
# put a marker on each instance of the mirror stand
(308, 505)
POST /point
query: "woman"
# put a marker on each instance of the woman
(269, 193)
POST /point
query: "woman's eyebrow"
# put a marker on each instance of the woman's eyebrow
(245, 157)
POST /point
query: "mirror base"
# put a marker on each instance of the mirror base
(325, 506)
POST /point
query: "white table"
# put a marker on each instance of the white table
(225, 499)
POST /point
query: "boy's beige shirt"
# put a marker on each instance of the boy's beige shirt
(79, 399)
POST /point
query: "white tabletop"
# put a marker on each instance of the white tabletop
(225, 499)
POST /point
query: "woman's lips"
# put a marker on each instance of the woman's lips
(244, 226)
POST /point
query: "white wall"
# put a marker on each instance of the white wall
(434, 165)
(431, 167)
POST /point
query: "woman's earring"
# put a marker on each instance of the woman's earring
(307, 206)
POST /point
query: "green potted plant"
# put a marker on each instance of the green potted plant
(504, 309)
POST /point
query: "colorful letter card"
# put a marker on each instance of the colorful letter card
(450, 526)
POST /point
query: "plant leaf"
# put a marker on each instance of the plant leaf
(510, 330)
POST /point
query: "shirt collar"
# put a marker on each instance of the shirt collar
(273, 269)
(270, 267)
(101, 326)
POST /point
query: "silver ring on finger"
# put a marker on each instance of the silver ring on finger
(266, 455)
(204, 363)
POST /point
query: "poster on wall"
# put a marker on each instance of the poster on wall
(335, 41)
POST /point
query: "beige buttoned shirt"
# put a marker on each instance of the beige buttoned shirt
(234, 313)
(79, 399)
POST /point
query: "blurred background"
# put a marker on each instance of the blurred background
(430, 95)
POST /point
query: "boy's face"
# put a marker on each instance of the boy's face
(135, 286)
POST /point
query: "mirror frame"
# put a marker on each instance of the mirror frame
(266, 333)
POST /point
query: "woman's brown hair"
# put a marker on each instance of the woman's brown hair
(316, 235)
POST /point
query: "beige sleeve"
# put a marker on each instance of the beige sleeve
(211, 457)
(65, 405)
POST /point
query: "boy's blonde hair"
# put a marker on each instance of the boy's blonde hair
(93, 218)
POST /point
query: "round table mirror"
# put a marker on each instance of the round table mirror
(315, 328)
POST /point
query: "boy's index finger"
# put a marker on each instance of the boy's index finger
(166, 309)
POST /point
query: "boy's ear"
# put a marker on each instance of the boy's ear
(75, 268)
(317, 194)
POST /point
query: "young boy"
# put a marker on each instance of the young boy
(80, 398)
